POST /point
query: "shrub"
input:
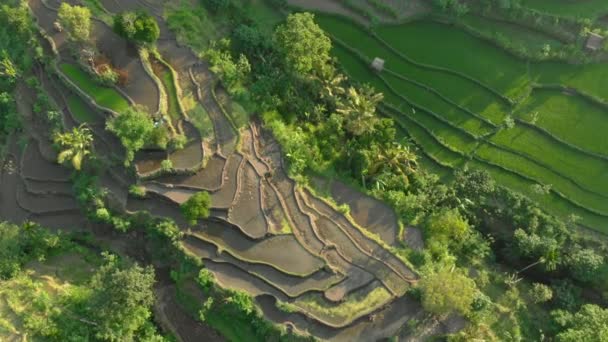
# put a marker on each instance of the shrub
(196, 207)
(166, 165)
(137, 191)
(107, 77)
(446, 291)
(540, 293)
(76, 20)
(139, 27)
(133, 127)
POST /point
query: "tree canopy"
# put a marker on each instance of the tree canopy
(446, 291)
(74, 145)
(304, 45)
(139, 27)
(197, 207)
(133, 127)
(76, 21)
(590, 323)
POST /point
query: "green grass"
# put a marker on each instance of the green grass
(430, 43)
(591, 79)
(81, 110)
(167, 79)
(588, 171)
(572, 9)
(460, 90)
(543, 175)
(570, 118)
(263, 14)
(351, 308)
(192, 24)
(518, 36)
(103, 96)
(201, 120)
(426, 99)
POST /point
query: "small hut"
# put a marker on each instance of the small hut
(594, 42)
(378, 64)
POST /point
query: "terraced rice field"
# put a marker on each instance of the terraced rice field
(452, 99)
(104, 96)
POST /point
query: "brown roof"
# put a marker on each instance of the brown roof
(594, 41)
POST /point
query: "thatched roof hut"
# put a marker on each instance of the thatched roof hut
(594, 42)
(378, 64)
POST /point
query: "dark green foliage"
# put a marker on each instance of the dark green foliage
(584, 263)
(139, 27)
(134, 128)
(218, 5)
(20, 244)
(121, 301)
(196, 207)
(590, 323)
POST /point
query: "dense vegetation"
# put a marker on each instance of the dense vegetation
(109, 304)
(491, 255)
(328, 124)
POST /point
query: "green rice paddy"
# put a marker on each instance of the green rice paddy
(103, 96)
(450, 99)
(81, 111)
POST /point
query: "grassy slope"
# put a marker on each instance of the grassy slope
(415, 123)
(570, 118)
(104, 96)
(517, 35)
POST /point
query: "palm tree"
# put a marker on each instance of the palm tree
(396, 159)
(359, 109)
(331, 87)
(75, 145)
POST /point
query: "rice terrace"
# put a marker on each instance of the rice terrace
(303, 170)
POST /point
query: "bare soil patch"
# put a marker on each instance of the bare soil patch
(368, 212)
(34, 166)
(283, 252)
(247, 212)
(209, 178)
(191, 155)
(224, 197)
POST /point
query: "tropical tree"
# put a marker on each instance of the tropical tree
(590, 323)
(359, 110)
(395, 159)
(139, 27)
(8, 70)
(134, 128)
(121, 302)
(74, 145)
(446, 291)
(303, 44)
(196, 207)
(332, 87)
(76, 20)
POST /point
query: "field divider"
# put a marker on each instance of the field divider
(543, 165)
(431, 133)
(441, 69)
(368, 242)
(417, 106)
(441, 96)
(531, 179)
(235, 255)
(560, 140)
